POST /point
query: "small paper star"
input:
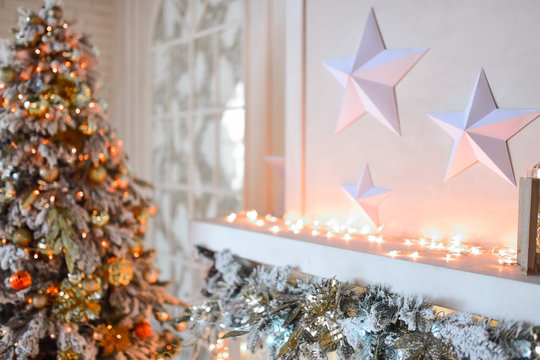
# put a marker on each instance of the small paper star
(368, 196)
(481, 131)
(369, 78)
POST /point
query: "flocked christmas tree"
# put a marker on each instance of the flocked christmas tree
(76, 281)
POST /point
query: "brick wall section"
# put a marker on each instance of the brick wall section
(93, 17)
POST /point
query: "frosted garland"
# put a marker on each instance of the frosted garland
(308, 318)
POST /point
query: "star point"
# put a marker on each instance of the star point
(480, 133)
(369, 78)
(368, 196)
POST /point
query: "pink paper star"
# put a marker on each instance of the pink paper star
(368, 196)
(369, 78)
(481, 131)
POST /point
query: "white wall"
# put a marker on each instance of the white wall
(463, 36)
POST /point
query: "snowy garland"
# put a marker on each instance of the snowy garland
(308, 318)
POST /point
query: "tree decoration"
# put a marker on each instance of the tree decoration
(114, 339)
(7, 75)
(7, 191)
(162, 316)
(369, 78)
(39, 301)
(21, 237)
(100, 218)
(20, 280)
(88, 127)
(75, 304)
(36, 106)
(143, 330)
(97, 174)
(481, 131)
(68, 354)
(119, 271)
(310, 317)
(49, 173)
(61, 216)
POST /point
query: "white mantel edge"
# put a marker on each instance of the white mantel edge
(497, 298)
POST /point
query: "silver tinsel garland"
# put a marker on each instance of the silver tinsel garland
(308, 318)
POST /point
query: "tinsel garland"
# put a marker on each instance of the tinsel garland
(308, 318)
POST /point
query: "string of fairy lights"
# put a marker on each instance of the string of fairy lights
(452, 248)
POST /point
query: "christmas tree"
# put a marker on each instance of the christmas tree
(77, 282)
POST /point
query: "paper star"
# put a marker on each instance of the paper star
(369, 78)
(481, 131)
(368, 196)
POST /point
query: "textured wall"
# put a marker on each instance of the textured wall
(92, 17)
(463, 36)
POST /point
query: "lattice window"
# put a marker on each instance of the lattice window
(198, 124)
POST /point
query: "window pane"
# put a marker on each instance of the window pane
(231, 149)
(204, 72)
(231, 82)
(205, 150)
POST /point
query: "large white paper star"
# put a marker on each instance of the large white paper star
(368, 196)
(369, 78)
(481, 131)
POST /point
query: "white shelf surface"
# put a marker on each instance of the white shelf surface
(472, 285)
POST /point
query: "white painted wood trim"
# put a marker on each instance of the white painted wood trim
(295, 108)
(488, 295)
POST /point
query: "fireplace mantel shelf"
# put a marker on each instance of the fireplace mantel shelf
(493, 291)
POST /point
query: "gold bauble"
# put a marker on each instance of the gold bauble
(29, 198)
(90, 284)
(68, 354)
(62, 90)
(39, 301)
(151, 276)
(7, 192)
(88, 127)
(162, 316)
(7, 75)
(36, 106)
(33, 19)
(21, 237)
(180, 326)
(97, 174)
(119, 271)
(100, 218)
(84, 94)
(48, 173)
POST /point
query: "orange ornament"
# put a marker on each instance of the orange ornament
(20, 280)
(143, 330)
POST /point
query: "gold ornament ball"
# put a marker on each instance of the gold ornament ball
(100, 218)
(180, 326)
(162, 316)
(143, 330)
(34, 20)
(48, 173)
(7, 192)
(36, 106)
(7, 75)
(40, 301)
(151, 276)
(90, 285)
(97, 174)
(21, 237)
(62, 90)
(88, 127)
(119, 271)
(84, 94)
